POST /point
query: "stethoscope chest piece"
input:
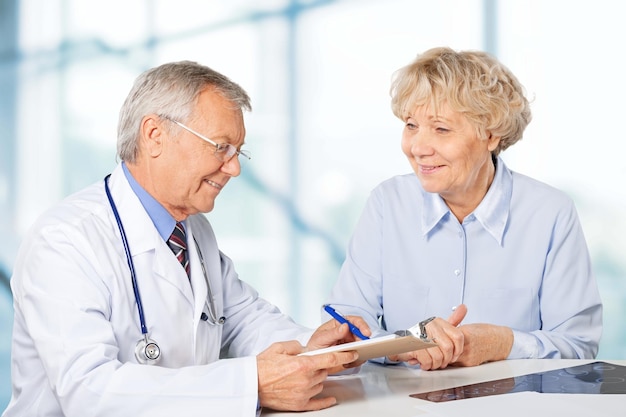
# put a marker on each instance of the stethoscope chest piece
(147, 351)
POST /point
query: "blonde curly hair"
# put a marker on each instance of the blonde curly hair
(473, 83)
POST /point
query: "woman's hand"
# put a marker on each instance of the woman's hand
(484, 343)
(450, 341)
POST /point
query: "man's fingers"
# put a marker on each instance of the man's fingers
(334, 359)
(361, 324)
(320, 403)
(356, 320)
(290, 347)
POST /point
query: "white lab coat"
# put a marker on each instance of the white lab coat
(76, 322)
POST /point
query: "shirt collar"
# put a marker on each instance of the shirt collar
(492, 212)
(163, 221)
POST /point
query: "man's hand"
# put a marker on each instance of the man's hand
(334, 333)
(289, 382)
(450, 343)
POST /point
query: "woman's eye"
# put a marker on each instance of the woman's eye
(410, 126)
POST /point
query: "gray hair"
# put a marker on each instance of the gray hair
(470, 82)
(170, 90)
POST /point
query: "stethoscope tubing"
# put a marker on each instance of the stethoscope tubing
(129, 259)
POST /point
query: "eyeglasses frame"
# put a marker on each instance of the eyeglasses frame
(221, 149)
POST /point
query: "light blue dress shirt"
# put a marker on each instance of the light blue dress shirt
(162, 219)
(519, 260)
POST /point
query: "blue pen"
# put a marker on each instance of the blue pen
(355, 330)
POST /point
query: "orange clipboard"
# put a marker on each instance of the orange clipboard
(377, 347)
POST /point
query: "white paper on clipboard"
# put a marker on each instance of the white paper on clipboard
(378, 347)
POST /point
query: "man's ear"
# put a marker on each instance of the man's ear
(152, 135)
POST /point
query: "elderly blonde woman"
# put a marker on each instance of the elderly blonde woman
(463, 237)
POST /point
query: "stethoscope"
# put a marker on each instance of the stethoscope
(147, 350)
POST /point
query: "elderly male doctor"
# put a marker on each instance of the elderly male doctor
(111, 321)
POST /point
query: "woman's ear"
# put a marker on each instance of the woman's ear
(493, 142)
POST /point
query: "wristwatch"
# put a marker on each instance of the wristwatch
(419, 330)
(422, 327)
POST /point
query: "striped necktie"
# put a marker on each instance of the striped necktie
(178, 244)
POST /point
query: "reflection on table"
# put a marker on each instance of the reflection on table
(590, 378)
(572, 387)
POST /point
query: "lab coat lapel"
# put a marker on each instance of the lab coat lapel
(143, 237)
(198, 282)
(167, 267)
(212, 263)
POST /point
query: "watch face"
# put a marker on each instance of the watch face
(592, 378)
(422, 327)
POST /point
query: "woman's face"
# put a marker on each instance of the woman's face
(448, 157)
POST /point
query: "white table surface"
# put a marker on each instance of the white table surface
(384, 391)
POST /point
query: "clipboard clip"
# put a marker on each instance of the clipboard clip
(419, 330)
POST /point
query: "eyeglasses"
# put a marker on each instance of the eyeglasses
(223, 151)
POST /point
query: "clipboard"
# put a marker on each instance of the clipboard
(377, 347)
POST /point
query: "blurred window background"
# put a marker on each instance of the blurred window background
(321, 132)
